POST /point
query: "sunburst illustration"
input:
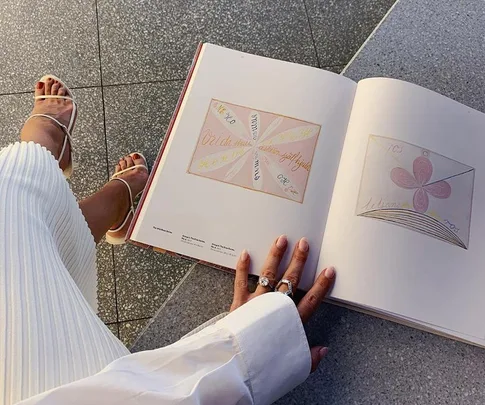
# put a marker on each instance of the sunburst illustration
(255, 149)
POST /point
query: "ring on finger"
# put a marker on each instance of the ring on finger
(288, 283)
(264, 282)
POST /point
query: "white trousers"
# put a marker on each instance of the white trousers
(54, 350)
(49, 332)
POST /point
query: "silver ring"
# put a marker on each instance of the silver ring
(264, 282)
(288, 283)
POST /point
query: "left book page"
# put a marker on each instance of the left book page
(253, 153)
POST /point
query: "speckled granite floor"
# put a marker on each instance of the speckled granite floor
(126, 60)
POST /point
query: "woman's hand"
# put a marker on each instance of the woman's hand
(308, 304)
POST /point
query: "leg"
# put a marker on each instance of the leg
(49, 332)
(107, 208)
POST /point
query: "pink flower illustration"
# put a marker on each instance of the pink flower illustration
(422, 169)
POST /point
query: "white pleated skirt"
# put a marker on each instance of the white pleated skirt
(49, 332)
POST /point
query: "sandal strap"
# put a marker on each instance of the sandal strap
(54, 96)
(132, 207)
(115, 176)
(67, 136)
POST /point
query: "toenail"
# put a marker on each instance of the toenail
(136, 156)
(40, 85)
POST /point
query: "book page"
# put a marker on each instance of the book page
(406, 229)
(253, 154)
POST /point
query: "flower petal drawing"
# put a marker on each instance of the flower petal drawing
(422, 169)
(292, 135)
(440, 189)
(217, 160)
(229, 120)
(271, 128)
(402, 178)
(281, 178)
(236, 167)
(421, 200)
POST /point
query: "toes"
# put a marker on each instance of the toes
(62, 91)
(39, 89)
(122, 164)
(117, 168)
(48, 86)
(129, 161)
(137, 159)
(55, 88)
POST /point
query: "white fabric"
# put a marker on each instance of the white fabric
(49, 333)
(254, 355)
(50, 337)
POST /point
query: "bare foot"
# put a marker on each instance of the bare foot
(44, 131)
(137, 179)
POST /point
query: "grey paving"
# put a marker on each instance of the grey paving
(144, 279)
(438, 45)
(156, 40)
(341, 26)
(106, 283)
(113, 327)
(137, 117)
(130, 330)
(49, 36)
(372, 361)
(203, 294)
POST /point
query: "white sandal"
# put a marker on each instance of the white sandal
(66, 129)
(119, 240)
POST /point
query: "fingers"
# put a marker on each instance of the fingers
(312, 299)
(273, 260)
(297, 263)
(241, 282)
(317, 353)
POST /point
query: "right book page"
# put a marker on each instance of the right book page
(406, 227)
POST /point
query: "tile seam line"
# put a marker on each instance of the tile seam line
(369, 37)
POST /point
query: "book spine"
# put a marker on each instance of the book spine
(164, 143)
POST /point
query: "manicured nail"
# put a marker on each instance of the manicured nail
(330, 272)
(244, 255)
(281, 242)
(303, 245)
(323, 352)
(136, 156)
(40, 85)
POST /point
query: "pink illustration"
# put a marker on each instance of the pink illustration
(255, 149)
(423, 170)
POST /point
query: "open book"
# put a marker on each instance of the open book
(383, 177)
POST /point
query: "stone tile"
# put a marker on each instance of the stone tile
(437, 45)
(144, 280)
(106, 283)
(156, 40)
(14, 110)
(30, 28)
(137, 117)
(89, 144)
(130, 330)
(340, 27)
(113, 327)
(187, 308)
(372, 361)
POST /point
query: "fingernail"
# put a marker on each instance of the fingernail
(330, 272)
(303, 245)
(281, 242)
(244, 255)
(323, 352)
